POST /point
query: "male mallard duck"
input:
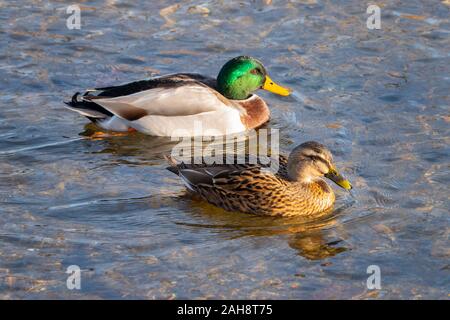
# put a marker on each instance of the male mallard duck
(297, 189)
(184, 104)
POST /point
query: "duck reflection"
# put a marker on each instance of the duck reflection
(146, 149)
(311, 239)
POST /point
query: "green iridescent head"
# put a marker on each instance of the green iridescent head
(242, 75)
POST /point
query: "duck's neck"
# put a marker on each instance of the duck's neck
(316, 189)
(317, 192)
(319, 185)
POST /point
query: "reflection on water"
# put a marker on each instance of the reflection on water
(306, 236)
(378, 98)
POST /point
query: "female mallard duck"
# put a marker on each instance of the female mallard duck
(184, 104)
(297, 189)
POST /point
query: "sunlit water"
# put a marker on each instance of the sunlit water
(378, 98)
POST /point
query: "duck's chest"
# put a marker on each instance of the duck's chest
(255, 112)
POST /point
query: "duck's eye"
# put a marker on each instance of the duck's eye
(254, 71)
(318, 159)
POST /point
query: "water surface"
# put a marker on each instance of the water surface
(378, 98)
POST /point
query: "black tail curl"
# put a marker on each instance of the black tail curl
(87, 105)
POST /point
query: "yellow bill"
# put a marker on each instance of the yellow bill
(271, 86)
(337, 178)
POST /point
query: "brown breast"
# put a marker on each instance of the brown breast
(257, 113)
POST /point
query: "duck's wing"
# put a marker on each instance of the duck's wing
(170, 95)
(230, 177)
(223, 176)
(227, 166)
(246, 190)
(173, 95)
(167, 81)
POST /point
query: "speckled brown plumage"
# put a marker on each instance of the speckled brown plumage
(296, 189)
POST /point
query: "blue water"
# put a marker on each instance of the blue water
(378, 98)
